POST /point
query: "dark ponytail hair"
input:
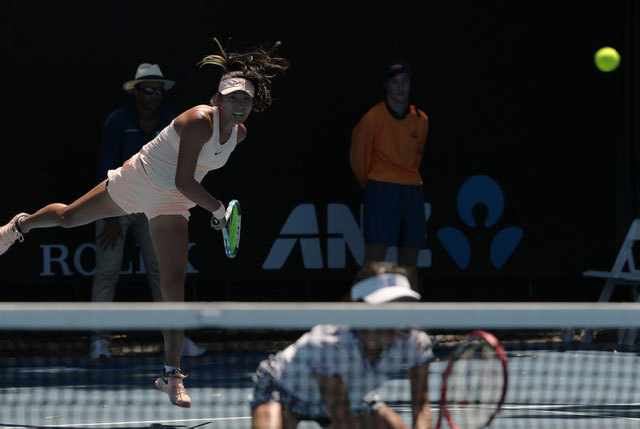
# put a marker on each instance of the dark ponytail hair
(258, 66)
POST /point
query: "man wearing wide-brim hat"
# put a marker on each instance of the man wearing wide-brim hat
(124, 132)
(148, 73)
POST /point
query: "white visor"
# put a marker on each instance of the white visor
(227, 86)
(383, 288)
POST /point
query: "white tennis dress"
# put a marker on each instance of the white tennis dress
(159, 157)
(335, 350)
(146, 183)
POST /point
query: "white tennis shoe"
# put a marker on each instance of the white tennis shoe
(171, 384)
(9, 233)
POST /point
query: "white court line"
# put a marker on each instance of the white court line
(143, 422)
(550, 409)
(551, 406)
(590, 415)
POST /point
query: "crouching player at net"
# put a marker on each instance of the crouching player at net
(329, 374)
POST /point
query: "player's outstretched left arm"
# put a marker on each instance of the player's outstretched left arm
(420, 407)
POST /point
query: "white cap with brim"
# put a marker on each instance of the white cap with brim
(232, 84)
(148, 73)
(384, 288)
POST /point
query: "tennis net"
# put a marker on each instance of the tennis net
(568, 365)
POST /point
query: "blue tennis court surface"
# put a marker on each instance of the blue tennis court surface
(120, 394)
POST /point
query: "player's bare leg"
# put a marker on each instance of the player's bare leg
(95, 204)
(408, 258)
(170, 238)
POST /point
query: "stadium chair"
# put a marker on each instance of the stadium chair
(624, 272)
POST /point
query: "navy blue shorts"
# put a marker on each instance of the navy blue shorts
(394, 215)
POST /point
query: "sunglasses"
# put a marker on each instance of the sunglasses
(147, 90)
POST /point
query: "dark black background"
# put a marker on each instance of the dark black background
(510, 89)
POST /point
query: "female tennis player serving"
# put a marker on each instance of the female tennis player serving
(163, 181)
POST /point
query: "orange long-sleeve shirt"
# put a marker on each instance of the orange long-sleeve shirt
(387, 149)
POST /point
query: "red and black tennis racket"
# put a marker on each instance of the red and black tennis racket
(474, 383)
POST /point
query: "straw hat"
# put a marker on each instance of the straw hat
(148, 73)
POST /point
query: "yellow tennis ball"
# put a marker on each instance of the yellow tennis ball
(607, 59)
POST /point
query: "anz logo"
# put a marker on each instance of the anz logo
(480, 190)
(343, 231)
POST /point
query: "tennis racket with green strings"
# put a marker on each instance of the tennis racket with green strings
(231, 232)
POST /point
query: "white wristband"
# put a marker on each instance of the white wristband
(220, 212)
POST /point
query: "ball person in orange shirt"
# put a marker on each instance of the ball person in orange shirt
(386, 151)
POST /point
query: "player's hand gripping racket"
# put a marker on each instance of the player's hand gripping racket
(231, 232)
(474, 383)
